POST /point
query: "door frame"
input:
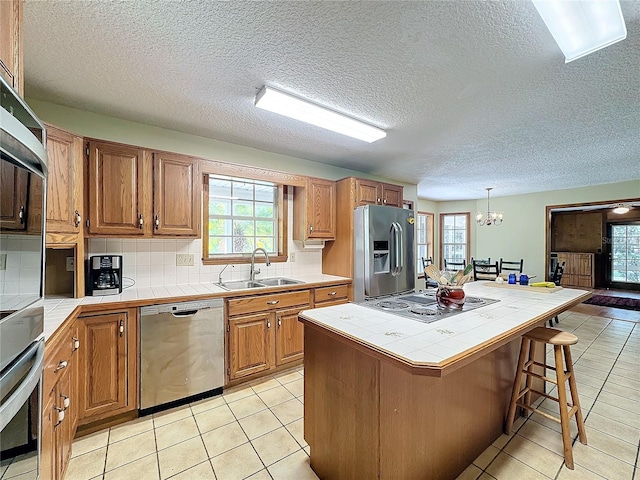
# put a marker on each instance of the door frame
(608, 283)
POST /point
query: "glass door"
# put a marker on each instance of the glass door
(624, 266)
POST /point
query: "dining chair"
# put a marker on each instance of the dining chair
(556, 278)
(481, 261)
(426, 261)
(507, 266)
(451, 266)
(485, 271)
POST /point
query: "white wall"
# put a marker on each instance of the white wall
(522, 234)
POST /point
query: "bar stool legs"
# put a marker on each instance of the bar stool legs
(564, 371)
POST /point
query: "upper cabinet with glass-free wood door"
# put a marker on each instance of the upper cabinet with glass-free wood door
(119, 181)
(314, 210)
(11, 58)
(176, 195)
(64, 182)
(370, 192)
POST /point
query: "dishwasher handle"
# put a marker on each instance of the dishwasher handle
(186, 313)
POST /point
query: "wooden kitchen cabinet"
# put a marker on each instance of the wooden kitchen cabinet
(119, 189)
(109, 364)
(263, 332)
(327, 296)
(11, 49)
(369, 192)
(314, 210)
(59, 401)
(13, 209)
(176, 195)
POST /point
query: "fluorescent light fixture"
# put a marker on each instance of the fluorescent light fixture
(581, 27)
(305, 111)
(621, 209)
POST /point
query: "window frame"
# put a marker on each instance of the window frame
(284, 181)
(467, 236)
(429, 237)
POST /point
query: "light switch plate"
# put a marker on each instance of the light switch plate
(184, 259)
(292, 256)
(71, 264)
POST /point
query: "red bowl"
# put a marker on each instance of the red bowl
(450, 297)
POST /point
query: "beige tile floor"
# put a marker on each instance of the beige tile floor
(256, 431)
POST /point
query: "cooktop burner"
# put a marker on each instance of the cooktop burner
(422, 306)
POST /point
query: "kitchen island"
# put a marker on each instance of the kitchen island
(393, 398)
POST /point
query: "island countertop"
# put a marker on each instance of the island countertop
(441, 346)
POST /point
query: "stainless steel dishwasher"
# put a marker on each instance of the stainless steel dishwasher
(181, 353)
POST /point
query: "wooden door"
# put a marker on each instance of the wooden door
(108, 361)
(118, 181)
(176, 195)
(289, 336)
(321, 208)
(367, 192)
(249, 344)
(13, 208)
(392, 195)
(64, 183)
(11, 43)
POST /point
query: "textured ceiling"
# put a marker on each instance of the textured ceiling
(473, 94)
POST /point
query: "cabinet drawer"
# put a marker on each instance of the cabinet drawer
(331, 294)
(239, 306)
(57, 359)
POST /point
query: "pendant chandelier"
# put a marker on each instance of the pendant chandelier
(492, 218)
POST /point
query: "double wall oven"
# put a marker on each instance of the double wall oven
(23, 171)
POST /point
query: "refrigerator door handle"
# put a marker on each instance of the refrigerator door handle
(397, 248)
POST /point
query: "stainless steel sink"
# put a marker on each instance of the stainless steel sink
(276, 282)
(240, 285)
(264, 282)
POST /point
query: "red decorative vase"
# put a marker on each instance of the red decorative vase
(450, 296)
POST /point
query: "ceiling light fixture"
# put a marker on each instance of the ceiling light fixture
(305, 111)
(582, 27)
(492, 218)
(621, 209)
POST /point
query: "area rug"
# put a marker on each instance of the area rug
(615, 302)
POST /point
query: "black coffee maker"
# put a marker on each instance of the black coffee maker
(104, 275)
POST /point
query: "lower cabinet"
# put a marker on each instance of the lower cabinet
(263, 332)
(59, 402)
(109, 362)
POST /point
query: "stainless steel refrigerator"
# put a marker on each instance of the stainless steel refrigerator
(383, 251)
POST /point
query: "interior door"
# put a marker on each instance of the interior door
(623, 249)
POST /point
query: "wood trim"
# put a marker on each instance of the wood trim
(255, 173)
(440, 256)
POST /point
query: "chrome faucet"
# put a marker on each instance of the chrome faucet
(253, 272)
(220, 274)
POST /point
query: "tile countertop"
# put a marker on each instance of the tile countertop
(443, 342)
(58, 309)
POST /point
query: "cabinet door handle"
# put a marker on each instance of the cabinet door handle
(140, 221)
(268, 323)
(61, 365)
(331, 294)
(76, 344)
(78, 218)
(121, 329)
(273, 302)
(310, 228)
(60, 415)
(157, 222)
(379, 199)
(65, 401)
(279, 322)
(21, 215)
(384, 201)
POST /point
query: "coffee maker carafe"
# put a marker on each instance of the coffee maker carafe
(104, 275)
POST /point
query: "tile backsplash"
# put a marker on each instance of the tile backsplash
(151, 262)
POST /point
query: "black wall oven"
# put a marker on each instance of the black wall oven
(23, 172)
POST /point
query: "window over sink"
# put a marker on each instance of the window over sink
(241, 214)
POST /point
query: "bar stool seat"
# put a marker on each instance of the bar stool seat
(561, 342)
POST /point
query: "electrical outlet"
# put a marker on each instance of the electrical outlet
(184, 259)
(292, 256)
(3, 261)
(71, 264)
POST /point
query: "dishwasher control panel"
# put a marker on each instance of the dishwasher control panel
(180, 307)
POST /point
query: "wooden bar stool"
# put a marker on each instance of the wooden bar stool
(560, 341)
